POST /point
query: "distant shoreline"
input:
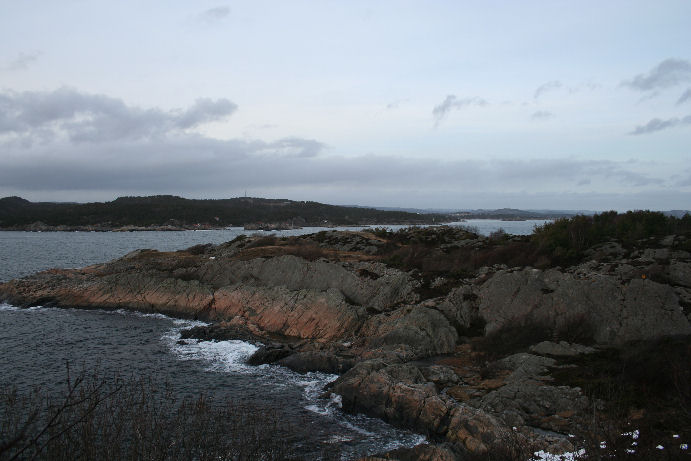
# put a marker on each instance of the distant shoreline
(189, 228)
(269, 229)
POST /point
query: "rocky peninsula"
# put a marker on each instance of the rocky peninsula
(502, 345)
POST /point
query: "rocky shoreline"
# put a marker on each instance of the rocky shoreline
(426, 349)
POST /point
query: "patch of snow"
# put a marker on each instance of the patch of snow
(633, 434)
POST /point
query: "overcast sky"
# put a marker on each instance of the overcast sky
(430, 104)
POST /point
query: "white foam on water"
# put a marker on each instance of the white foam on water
(546, 456)
(224, 356)
(152, 315)
(332, 405)
(231, 357)
(8, 307)
(182, 323)
(185, 324)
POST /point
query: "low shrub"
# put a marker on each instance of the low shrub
(116, 419)
(308, 250)
(643, 385)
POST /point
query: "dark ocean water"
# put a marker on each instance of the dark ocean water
(37, 343)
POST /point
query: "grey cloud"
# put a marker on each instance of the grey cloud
(668, 73)
(542, 115)
(97, 118)
(215, 14)
(546, 87)
(292, 147)
(453, 102)
(684, 97)
(160, 157)
(205, 110)
(657, 124)
(22, 61)
(197, 165)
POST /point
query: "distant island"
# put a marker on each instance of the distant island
(167, 212)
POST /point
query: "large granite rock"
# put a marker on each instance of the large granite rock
(381, 289)
(618, 310)
(422, 330)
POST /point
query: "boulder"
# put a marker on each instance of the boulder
(324, 361)
(425, 331)
(269, 354)
(680, 273)
(617, 310)
(461, 307)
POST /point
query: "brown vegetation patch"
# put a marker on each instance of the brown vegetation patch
(259, 252)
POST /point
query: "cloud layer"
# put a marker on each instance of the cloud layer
(452, 102)
(657, 124)
(686, 96)
(96, 147)
(96, 118)
(215, 14)
(670, 72)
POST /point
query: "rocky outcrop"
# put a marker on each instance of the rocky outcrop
(527, 397)
(399, 392)
(404, 355)
(381, 289)
(618, 310)
(418, 330)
